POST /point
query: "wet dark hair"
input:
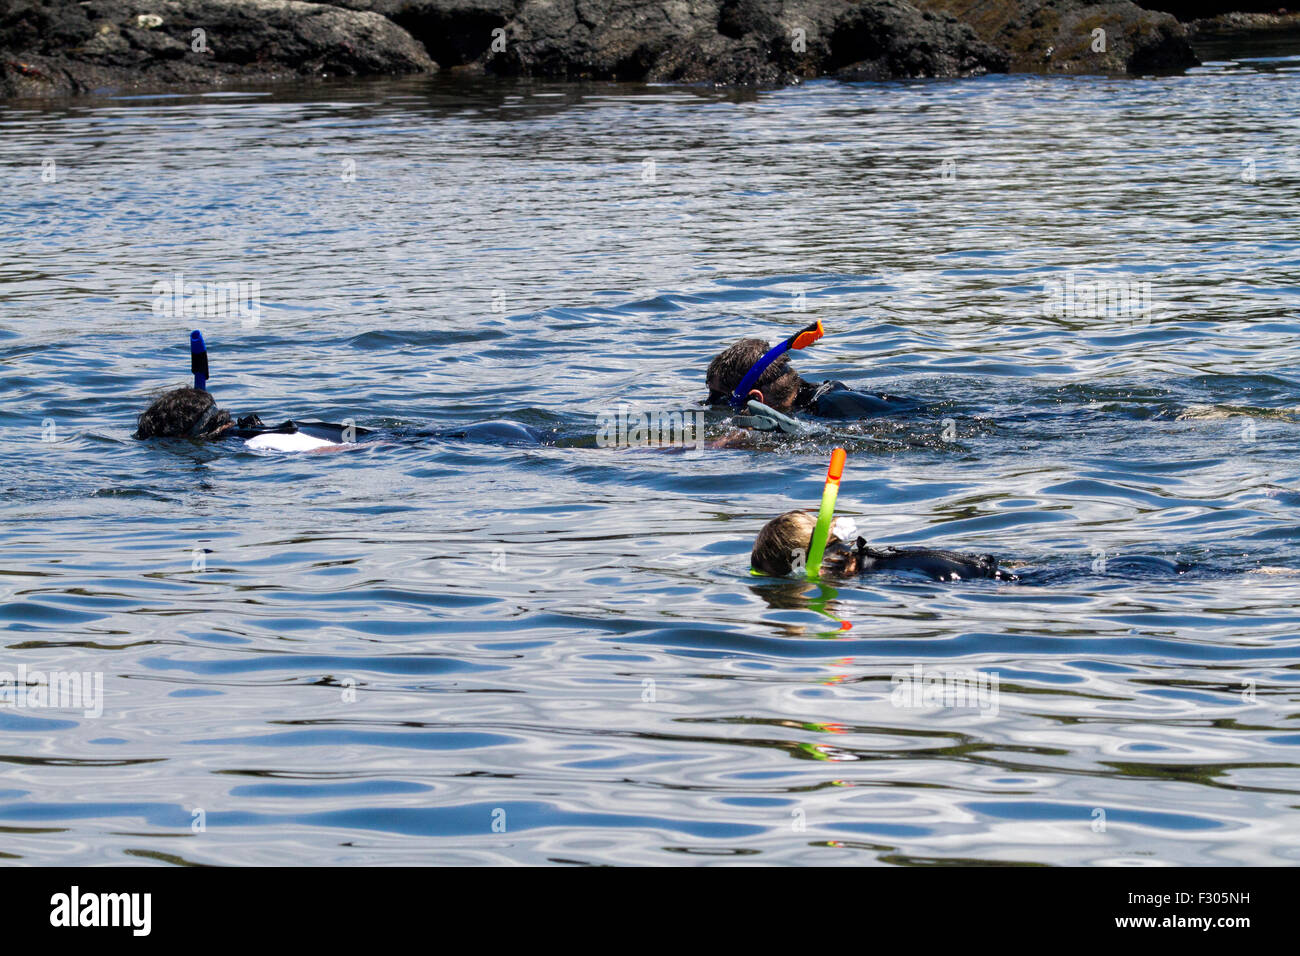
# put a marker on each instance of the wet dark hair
(182, 413)
(779, 383)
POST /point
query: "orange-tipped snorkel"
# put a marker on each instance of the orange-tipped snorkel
(807, 336)
(800, 340)
(822, 532)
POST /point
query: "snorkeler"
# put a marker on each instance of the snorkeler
(798, 541)
(192, 413)
(783, 545)
(751, 371)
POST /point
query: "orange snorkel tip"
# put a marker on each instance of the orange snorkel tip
(808, 336)
(836, 470)
(801, 339)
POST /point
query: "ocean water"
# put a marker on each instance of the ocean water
(436, 649)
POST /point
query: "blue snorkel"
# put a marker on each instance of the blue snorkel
(801, 339)
(199, 360)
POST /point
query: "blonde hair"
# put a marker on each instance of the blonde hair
(778, 546)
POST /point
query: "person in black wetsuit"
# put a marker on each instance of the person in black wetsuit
(194, 413)
(782, 388)
(782, 546)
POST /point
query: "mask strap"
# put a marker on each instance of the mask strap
(205, 420)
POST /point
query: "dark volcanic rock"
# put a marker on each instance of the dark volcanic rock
(1235, 35)
(692, 41)
(1058, 35)
(759, 41)
(738, 41)
(1244, 23)
(455, 32)
(892, 39)
(1188, 10)
(65, 46)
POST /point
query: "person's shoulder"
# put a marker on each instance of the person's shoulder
(834, 399)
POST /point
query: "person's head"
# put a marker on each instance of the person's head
(783, 544)
(777, 387)
(183, 413)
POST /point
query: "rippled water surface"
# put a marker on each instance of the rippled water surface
(429, 649)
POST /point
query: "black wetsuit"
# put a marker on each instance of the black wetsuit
(250, 426)
(502, 432)
(935, 564)
(831, 399)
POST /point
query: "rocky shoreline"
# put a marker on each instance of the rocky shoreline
(61, 47)
(1245, 23)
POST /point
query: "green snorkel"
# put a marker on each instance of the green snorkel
(821, 535)
(823, 530)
